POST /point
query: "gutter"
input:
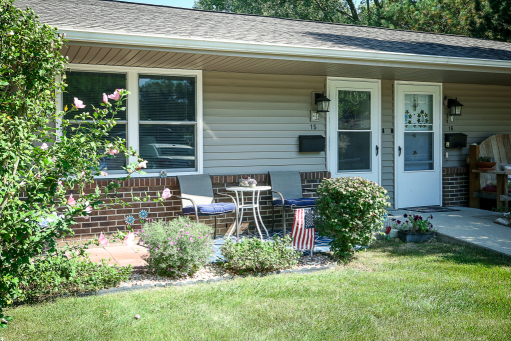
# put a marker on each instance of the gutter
(301, 53)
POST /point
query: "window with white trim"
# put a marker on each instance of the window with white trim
(162, 119)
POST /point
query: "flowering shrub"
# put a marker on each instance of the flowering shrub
(413, 223)
(255, 255)
(349, 210)
(178, 247)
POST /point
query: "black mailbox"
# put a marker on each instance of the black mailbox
(311, 143)
(455, 140)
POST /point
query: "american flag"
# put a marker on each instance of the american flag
(303, 229)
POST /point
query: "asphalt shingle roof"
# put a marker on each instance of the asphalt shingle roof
(107, 15)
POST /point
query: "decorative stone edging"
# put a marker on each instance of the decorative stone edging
(191, 282)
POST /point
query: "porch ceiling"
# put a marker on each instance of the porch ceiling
(282, 65)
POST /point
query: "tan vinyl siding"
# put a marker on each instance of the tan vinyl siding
(252, 123)
(387, 138)
(486, 112)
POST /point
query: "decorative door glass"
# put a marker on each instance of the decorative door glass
(354, 130)
(418, 139)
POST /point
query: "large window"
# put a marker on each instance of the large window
(167, 130)
(89, 87)
(162, 119)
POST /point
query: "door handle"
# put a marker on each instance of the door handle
(377, 150)
(399, 151)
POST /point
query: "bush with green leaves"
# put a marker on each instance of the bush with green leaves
(178, 247)
(348, 210)
(40, 165)
(255, 255)
(67, 272)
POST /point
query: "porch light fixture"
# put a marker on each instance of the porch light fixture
(455, 106)
(322, 102)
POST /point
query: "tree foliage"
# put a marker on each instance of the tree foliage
(489, 19)
(39, 167)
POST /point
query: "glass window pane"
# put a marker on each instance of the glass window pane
(418, 151)
(167, 98)
(354, 110)
(116, 162)
(418, 112)
(89, 88)
(168, 146)
(354, 151)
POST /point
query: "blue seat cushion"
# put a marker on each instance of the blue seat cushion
(211, 209)
(299, 203)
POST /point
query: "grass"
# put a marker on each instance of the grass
(393, 291)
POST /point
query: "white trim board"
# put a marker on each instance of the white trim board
(132, 114)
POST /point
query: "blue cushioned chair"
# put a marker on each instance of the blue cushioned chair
(287, 188)
(197, 198)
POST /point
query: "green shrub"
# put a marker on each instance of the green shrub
(178, 247)
(63, 272)
(349, 209)
(255, 255)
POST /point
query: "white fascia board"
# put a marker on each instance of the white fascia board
(286, 52)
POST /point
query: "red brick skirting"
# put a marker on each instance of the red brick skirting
(112, 217)
(455, 186)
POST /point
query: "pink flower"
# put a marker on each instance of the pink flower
(191, 240)
(88, 209)
(44, 146)
(112, 151)
(38, 176)
(79, 104)
(67, 254)
(142, 164)
(71, 201)
(165, 194)
(102, 240)
(115, 96)
(103, 173)
(129, 240)
(105, 98)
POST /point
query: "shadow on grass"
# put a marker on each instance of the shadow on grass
(443, 251)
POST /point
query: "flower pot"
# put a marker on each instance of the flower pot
(252, 185)
(412, 237)
(486, 165)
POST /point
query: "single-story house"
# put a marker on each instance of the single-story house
(230, 95)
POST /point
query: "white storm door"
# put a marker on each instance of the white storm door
(354, 128)
(418, 160)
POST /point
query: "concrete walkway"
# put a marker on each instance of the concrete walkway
(471, 225)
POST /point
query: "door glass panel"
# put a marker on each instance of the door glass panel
(418, 151)
(354, 150)
(418, 112)
(354, 130)
(354, 110)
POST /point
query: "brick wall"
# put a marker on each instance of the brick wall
(455, 186)
(112, 216)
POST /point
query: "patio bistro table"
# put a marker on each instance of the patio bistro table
(254, 205)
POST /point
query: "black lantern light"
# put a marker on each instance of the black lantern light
(322, 102)
(455, 106)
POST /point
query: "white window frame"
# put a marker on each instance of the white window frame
(132, 115)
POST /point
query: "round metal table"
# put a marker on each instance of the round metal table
(254, 205)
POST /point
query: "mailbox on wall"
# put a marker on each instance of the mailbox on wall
(311, 143)
(455, 140)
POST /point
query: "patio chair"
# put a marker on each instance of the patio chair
(197, 198)
(287, 188)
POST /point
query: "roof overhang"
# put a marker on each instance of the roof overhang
(296, 53)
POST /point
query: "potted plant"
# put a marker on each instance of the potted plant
(485, 163)
(414, 228)
(252, 182)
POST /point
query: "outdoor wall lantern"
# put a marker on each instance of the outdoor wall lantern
(454, 105)
(322, 105)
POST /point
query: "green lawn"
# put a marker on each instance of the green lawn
(393, 291)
